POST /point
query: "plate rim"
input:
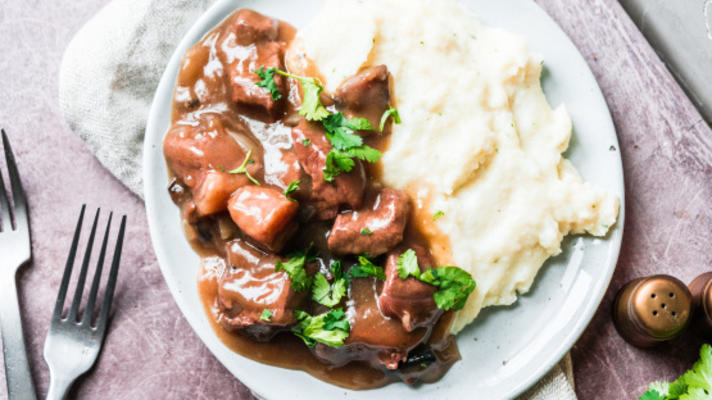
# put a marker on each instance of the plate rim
(614, 236)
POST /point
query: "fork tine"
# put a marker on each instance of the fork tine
(68, 268)
(111, 283)
(89, 311)
(74, 309)
(18, 195)
(5, 223)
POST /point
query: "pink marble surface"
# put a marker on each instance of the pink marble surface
(151, 352)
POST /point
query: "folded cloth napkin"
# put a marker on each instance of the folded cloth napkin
(108, 75)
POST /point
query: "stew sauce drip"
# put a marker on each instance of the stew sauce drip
(222, 121)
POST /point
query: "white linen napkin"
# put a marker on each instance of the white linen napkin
(108, 75)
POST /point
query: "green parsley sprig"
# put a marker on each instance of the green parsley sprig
(330, 328)
(454, 284)
(242, 169)
(294, 267)
(695, 384)
(339, 131)
(384, 118)
(311, 108)
(266, 315)
(327, 294)
(293, 187)
(366, 268)
(267, 81)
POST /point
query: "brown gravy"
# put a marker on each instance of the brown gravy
(203, 90)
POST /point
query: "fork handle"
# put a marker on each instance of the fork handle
(58, 386)
(17, 368)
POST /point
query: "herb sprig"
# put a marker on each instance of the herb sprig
(330, 328)
(242, 169)
(340, 131)
(454, 284)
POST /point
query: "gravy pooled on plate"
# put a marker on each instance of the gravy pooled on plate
(309, 261)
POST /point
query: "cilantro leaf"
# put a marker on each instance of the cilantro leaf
(700, 376)
(454, 286)
(651, 395)
(327, 294)
(696, 394)
(334, 319)
(340, 133)
(293, 187)
(266, 315)
(365, 268)
(306, 142)
(365, 153)
(366, 232)
(336, 163)
(330, 328)
(242, 169)
(294, 267)
(676, 389)
(408, 265)
(437, 215)
(391, 111)
(311, 107)
(267, 81)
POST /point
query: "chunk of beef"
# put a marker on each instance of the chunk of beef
(365, 94)
(373, 229)
(251, 26)
(253, 45)
(249, 286)
(243, 79)
(198, 154)
(409, 300)
(327, 197)
(379, 340)
(263, 214)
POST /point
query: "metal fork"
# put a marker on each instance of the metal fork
(15, 250)
(73, 344)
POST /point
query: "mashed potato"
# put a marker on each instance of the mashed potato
(478, 142)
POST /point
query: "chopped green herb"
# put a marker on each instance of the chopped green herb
(473, 36)
(311, 107)
(306, 142)
(423, 365)
(340, 131)
(294, 267)
(421, 42)
(437, 215)
(327, 294)
(408, 265)
(454, 284)
(365, 268)
(267, 81)
(221, 168)
(330, 328)
(338, 161)
(293, 187)
(266, 315)
(391, 111)
(366, 232)
(242, 169)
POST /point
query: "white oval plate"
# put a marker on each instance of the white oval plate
(507, 349)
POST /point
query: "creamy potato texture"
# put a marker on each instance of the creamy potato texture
(478, 142)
